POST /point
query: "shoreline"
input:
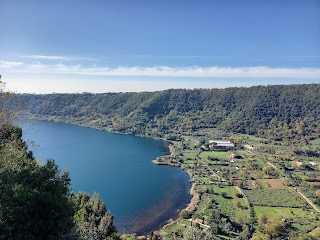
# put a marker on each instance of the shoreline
(191, 206)
(192, 191)
(195, 196)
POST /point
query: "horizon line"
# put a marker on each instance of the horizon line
(167, 89)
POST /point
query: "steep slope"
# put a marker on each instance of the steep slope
(282, 111)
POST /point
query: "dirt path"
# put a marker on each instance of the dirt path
(300, 193)
(309, 201)
(244, 196)
(210, 169)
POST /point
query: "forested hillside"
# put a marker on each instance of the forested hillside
(279, 112)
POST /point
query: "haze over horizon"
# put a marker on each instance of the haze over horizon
(125, 46)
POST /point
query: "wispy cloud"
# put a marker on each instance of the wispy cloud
(9, 64)
(162, 71)
(165, 71)
(57, 58)
(184, 56)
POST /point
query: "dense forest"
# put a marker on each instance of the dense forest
(280, 112)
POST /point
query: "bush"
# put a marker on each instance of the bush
(239, 195)
(185, 214)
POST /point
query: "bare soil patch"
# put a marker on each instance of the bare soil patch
(274, 183)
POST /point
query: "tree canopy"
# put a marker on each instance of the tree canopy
(280, 112)
(34, 198)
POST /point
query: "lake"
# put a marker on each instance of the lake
(142, 196)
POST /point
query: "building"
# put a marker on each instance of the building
(220, 145)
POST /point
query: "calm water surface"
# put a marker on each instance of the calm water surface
(142, 196)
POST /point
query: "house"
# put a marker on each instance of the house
(203, 223)
(198, 220)
(231, 158)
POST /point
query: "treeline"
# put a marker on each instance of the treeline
(36, 202)
(279, 112)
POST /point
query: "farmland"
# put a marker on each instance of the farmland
(237, 187)
(274, 198)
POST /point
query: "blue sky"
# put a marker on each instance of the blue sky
(103, 46)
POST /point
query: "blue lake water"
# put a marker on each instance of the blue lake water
(142, 196)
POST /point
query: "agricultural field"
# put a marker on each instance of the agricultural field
(284, 212)
(274, 198)
(214, 154)
(269, 178)
(229, 203)
(190, 155)
(271, 183)
(222, 202)
(315, 232)
(301, 220)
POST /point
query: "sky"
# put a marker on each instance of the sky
(148, 45)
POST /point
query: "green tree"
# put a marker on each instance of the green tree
(9, 104)
(34, 198)
(185, 214)
(195, 233)
(93, 221)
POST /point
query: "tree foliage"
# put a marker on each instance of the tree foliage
(34, 202)
(93, 221)
(196, 233)
(280, 112)
(274, 228)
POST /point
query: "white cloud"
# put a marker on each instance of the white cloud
(157, 71)
(165, 71)
(9, 64)
(57, 58)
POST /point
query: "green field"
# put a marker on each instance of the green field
(176, 229)
(302, 220)
(189, 162)
(190, 155)
(215, 154)
(225, 205)
(315, 142)
(287, 213)
(273, 198)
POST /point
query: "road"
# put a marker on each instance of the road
(309, 201)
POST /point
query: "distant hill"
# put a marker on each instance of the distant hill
(280, 112)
